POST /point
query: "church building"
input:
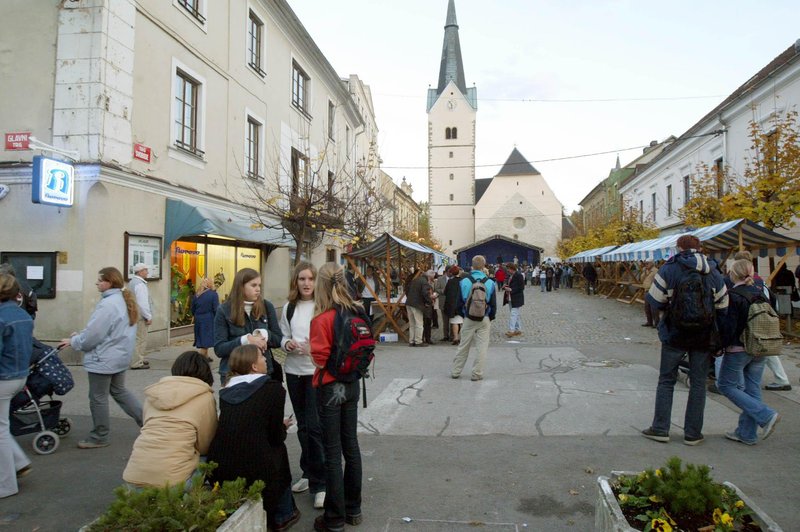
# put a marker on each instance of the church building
(517, 202)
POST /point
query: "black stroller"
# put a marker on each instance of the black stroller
(30, 413)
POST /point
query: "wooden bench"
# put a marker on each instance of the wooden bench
(628, 296)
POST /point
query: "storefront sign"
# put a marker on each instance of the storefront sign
(18, 141)
(53, 182)
(142, 152)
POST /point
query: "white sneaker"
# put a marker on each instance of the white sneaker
(300, 486)
(319, 500)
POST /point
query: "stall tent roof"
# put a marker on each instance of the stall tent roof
(187, 219)
(590, 254)
(397, 248)
(715, 238)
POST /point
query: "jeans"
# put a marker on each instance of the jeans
(100, 385)
(543, 283)
(312, 455)
(12, 457)
(282, 511)
(337, 403)
(367, 302)
(668, 374)
(514, 323)
(737, 366)
(473, 332)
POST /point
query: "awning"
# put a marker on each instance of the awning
(590, 254)
(399, 247)
(186, 219)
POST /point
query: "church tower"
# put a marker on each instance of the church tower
(452, 108)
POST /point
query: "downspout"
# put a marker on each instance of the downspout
(724, 130)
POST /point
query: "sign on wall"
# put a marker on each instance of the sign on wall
(18, 141)
(145, 249)
(142, 152)
(53, 182)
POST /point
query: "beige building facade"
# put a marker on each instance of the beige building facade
(182, 117)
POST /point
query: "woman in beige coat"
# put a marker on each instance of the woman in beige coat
(180, 419)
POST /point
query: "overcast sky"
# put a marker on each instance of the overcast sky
(606, 75)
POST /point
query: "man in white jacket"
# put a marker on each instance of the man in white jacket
(138, 285)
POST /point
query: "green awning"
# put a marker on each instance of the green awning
(187, 219)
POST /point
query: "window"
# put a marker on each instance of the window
(299, 170)
(719, 177)
(299, 87)
(255, 38)
(771, 153)
(347, 141)
(669, 200)
(641, 211)
(451, 155)
(451, 197)
(451, 177)
(187, 92)
(252, 154)
(330, 255)
(451, 242)
(653, 205)
(687, 189)
(454, 133)
(194, 8)
(447, 133)
(331, 119)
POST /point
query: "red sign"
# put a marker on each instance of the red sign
(18, 141)
(142, 152)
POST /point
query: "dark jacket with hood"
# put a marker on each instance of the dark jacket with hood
(249, 441)
(668, 278)
(736, 319)
(517, 285)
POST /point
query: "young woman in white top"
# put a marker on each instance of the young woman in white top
(295, 324)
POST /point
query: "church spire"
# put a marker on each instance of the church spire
(451, 67)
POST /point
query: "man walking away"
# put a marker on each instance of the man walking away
(479, 297)
(138, 286)
(695, 299)
(590, 274)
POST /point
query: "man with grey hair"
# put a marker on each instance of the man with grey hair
(478, 296)
(138, 285)
(418, 302)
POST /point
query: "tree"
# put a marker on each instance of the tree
(705, 203)
(770, 191)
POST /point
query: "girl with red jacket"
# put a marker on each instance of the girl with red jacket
(337, 404)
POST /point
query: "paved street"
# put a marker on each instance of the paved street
(520, 450)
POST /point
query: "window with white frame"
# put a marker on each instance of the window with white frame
(669, 200)
(331, 119)
(253, 147)
(195, 8)
(641, 211)
(187, 112)
(299, 170)
(255, 43)
(687, 189)
(653, 205)
(299, 88)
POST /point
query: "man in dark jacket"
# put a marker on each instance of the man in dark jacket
(516, 292)
(688, 303)
(590, 274)
(418, 302)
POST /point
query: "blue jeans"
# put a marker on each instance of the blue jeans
(514, 323)
(668, 375)
(735, 367)
(337, 404)
(282, 511)
(312, 455)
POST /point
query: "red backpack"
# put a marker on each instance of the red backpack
(354, 346)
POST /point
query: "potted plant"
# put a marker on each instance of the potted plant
(227, 507)
(675, 498)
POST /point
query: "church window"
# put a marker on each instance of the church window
(447, 133)
(519, 222)
(451, 242)
(451, 155)
(451, 177)
(451, 197)
(516, 236)
(454, 133)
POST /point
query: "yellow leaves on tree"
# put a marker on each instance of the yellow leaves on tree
(629, 226)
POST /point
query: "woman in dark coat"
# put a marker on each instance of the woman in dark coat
(204, 308)
(251, 432)
(452, 298)
(516, 292)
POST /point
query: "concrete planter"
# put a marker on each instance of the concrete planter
(608, 515)
(249, 517)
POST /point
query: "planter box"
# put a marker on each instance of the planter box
(608, 515)
(249, 517)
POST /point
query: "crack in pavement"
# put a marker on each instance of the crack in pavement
(553, 371)
(369, 427)
(411, 386)
(446, 424)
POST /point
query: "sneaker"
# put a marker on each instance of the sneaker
(452, 376)
(476, 378)
(688, 440)
(319, 500)
(769, 428)
(423, 344)
(91, 444)
(509, 334)
(142, 365)
(300, 486)
(353, 520)
(517, 333)
(24, 471)
(655, 436)
(289, 523)
(735, 437)
(412, 344)
(775, 387)
(321, 526)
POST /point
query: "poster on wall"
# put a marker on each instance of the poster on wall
(146, 249)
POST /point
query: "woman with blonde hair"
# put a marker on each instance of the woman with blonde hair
(337, 402)
(246, 318)
(739, 366)
(251, 432)
(299, 369)
(108, 342)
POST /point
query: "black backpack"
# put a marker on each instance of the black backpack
(354, 346)
(692, 306)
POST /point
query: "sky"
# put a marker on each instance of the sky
(555, 79)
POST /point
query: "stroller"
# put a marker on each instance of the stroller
(30, 413)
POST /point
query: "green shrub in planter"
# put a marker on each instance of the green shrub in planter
(172, 508)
